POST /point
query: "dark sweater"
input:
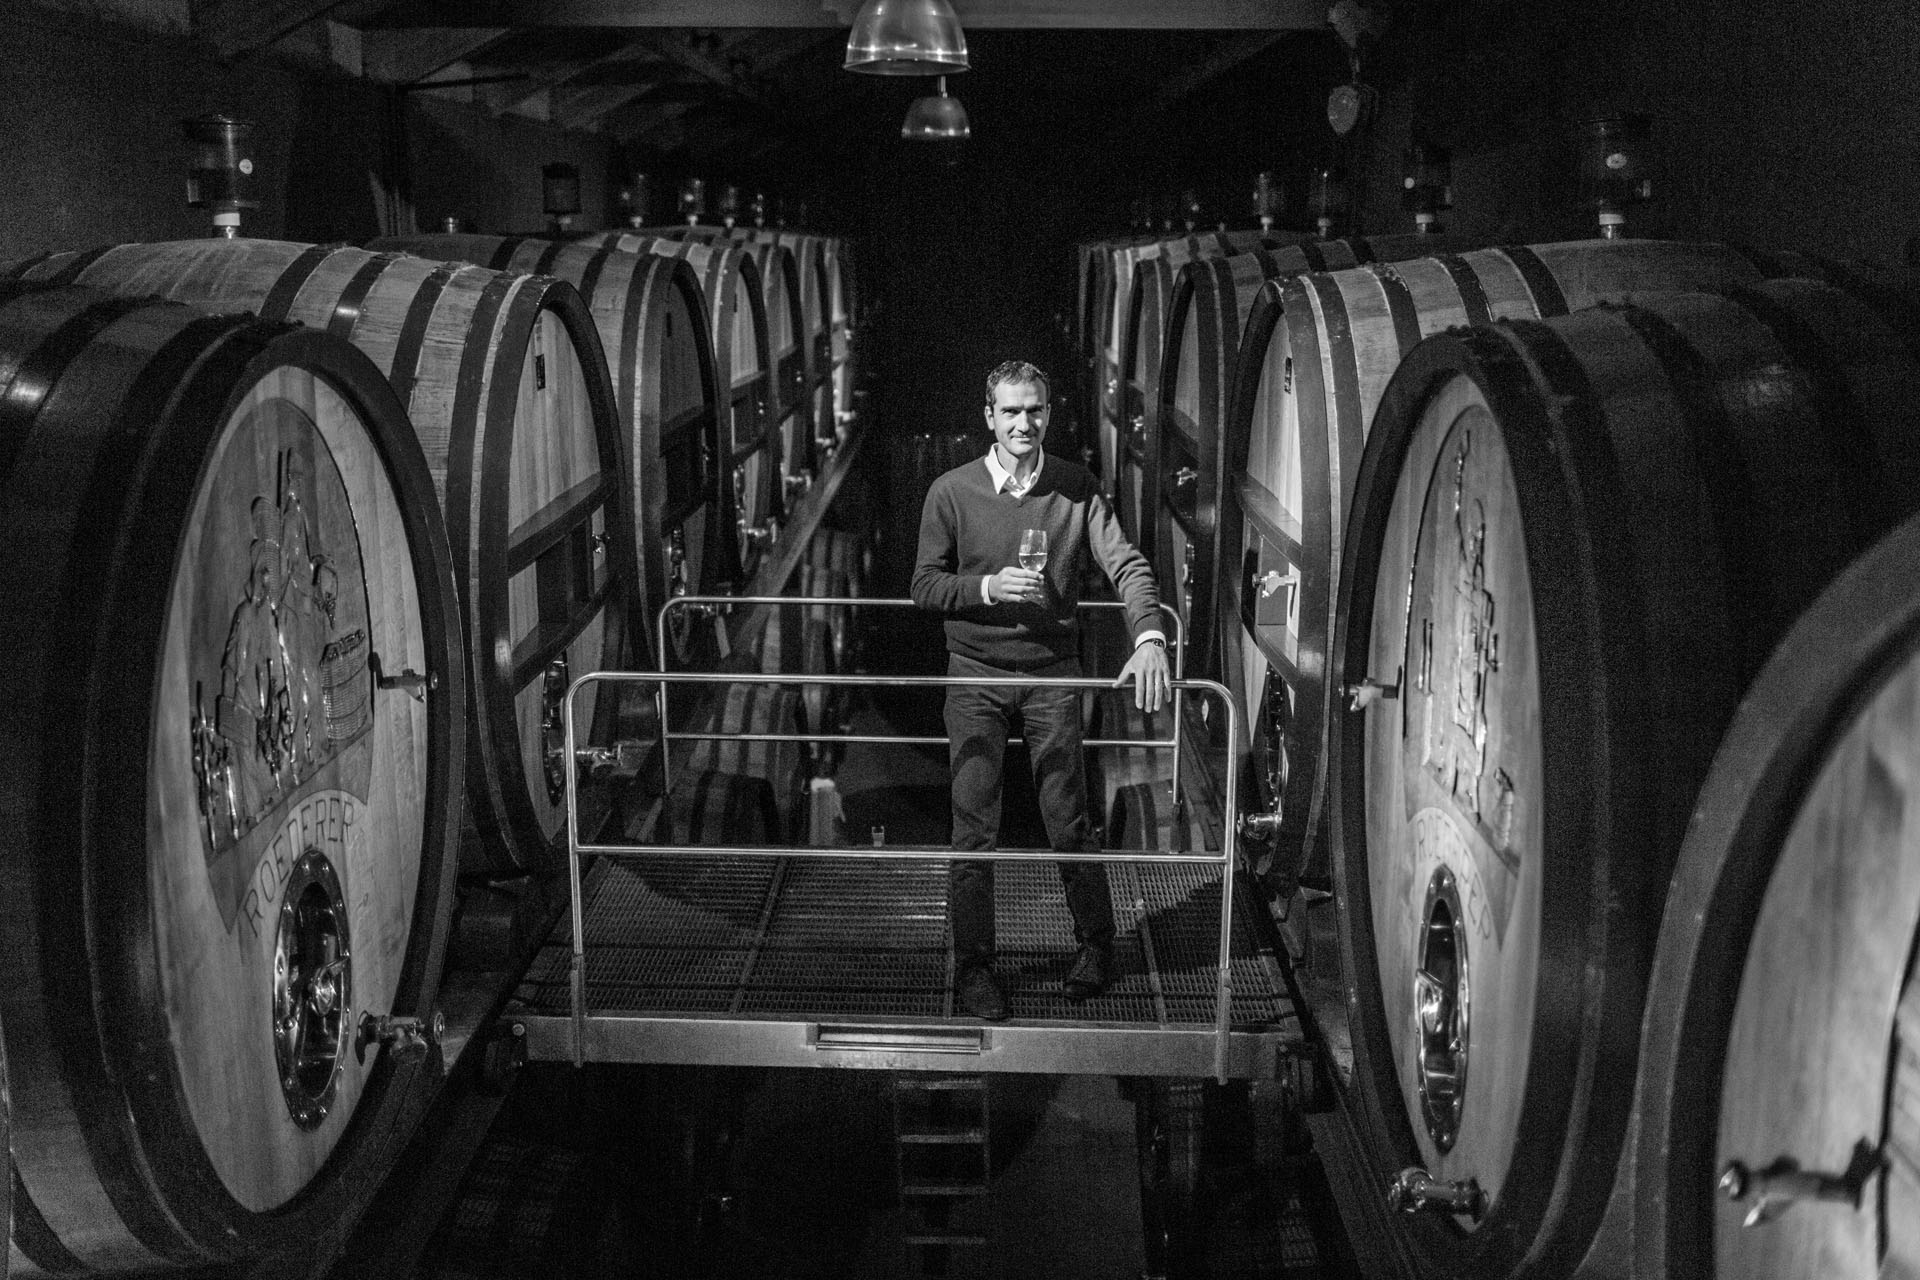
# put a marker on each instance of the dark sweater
(968, 533)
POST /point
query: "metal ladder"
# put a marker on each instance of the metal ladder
(943, 1162)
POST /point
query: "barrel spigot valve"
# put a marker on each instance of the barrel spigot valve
(622, 758)
(1369, 691)
(1414, 1190)
(1782, 1184)
(416, 685)
(407, 1039)
(1260, 826)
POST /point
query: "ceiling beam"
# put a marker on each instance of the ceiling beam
(1222, 60)
(1222, 15)
(638, 122)
(404, 55)
(234, 27)
(708, 68)
(582, 108)
(540, 77)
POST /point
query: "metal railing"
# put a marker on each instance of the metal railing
(669, 735)
(1224, 858)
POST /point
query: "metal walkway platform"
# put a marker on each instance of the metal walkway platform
(710, 959)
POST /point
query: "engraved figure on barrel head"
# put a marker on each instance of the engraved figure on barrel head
(292, 691)
(253, 713)
(1456, 735)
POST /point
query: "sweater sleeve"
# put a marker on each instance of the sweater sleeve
(936, 584)
(1121, 561)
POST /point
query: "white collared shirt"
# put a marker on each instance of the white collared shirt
(1004, 481)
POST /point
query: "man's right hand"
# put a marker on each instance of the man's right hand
(1014, 584)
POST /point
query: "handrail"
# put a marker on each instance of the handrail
(1223, 993)
(668, 736)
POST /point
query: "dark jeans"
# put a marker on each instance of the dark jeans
(979, 719)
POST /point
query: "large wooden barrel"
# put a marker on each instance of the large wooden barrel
(1186, 447)
(1572, 544)
(1783, 1012)
(1144, 349)
(842, 310)
(1110, 309)
(1127, 439)
(790, 439)
(651, 313)
(232, 771)
(1315, 356)
(1113, 305)
(507, 387)
(737, 310)
(810, 256)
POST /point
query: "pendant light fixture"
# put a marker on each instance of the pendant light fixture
(936, 118)
(906, 38)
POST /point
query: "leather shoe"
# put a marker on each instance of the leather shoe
(1089, 974)
(980, 995)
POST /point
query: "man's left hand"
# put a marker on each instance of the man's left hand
(1147, 670)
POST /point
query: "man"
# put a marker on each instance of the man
(1003, 620)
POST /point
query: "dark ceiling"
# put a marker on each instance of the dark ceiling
(1110, 97)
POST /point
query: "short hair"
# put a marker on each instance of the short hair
(1020, 373)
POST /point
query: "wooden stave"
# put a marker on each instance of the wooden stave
(1226, 304)
(816, 321)
(1621, 908)
(1825, 677)
(1142, 348)
(1212, 295)
(1114, 308)
(342, 287)
(1507, 279)
(756, 386)
(809, 253)
(199, 368)
(790, 432)
(1116, 270)
(630, 317)
(840, 346)
(1137, 373)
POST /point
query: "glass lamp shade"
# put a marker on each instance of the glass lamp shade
(906, 38)
(936, 118)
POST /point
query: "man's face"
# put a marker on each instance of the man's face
(1018, 417)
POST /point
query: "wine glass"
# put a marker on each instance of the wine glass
(1033, 549)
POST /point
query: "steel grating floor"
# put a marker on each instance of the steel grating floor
(756, 955)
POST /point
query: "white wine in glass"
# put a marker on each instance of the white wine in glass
(1033, 549)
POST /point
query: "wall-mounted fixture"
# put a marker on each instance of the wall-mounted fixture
(1426, 185)
(220, 172)
(1328, 199)
(1267, 199)
(1613, 169)
(936, 118)
(906, 38)
(1191, 210)
(636, 200)
(560, 194)
(693, 200)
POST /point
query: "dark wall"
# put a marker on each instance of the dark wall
(1774, 124)
(94, 150)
